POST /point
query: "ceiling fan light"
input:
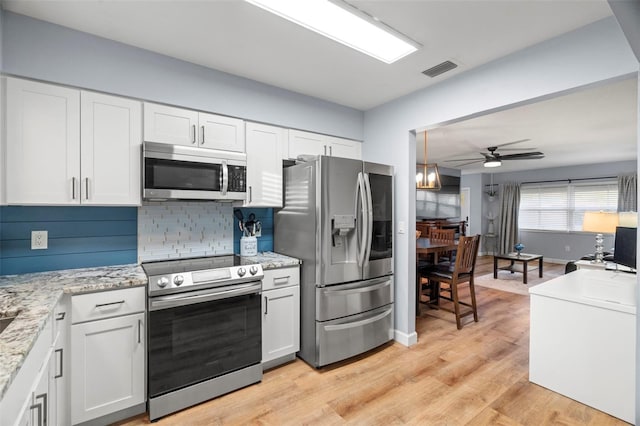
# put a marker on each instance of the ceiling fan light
(493, 162)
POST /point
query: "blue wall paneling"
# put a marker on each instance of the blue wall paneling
(265, 216)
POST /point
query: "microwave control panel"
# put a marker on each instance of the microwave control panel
(237, 179)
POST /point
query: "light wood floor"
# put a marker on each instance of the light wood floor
(475, 376)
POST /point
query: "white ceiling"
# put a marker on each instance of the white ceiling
(593, 125)
(241, 39)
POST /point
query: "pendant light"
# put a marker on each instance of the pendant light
(427, 175)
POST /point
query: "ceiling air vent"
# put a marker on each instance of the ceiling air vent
(439, 69)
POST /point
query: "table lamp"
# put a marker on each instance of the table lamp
(628, 219)
(600, 223)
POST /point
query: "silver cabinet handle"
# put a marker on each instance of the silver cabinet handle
(73, 188)
(86, 188)
(250, 194)
(39, 408)
(325, 150)
(61, 316)
(139, 326)
(266, 305)
(330, 150)
(193, 133)
(202, 135)
(102, 305)
(44, 408)
(61, 352)
(283, 279)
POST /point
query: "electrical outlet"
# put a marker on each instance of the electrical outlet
(567, 248)
(39, 240)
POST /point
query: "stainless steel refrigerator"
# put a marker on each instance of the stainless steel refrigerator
(338, 218)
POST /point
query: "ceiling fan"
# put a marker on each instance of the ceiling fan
(494, 159)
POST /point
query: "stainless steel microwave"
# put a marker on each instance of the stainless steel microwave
(177, 172)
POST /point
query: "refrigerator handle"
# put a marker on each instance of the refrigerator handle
(362, 247)
(369, 236)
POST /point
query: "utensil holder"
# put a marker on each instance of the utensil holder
(248, 246)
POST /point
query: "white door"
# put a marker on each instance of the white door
(345, 148)
(43, 143)
(465, 208)
(280, 322)
(108, 361)
(111, 139)
(170, 125)
(219, 132)
(306, 143)
(264, 165)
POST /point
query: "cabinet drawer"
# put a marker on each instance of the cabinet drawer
(278, 278)
(107, 304)
(339, 301)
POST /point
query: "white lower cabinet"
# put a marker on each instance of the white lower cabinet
(108, 355)
(280, 316)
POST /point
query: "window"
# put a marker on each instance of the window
(561, 207)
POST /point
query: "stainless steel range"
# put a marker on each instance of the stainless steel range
(205, 332)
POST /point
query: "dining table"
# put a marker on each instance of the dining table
(428, 246)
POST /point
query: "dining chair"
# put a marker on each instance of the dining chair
(452, 276)
(444, 236)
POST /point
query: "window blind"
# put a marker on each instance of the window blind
(561, 206)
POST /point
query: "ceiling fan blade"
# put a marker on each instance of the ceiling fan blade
(470, 162)
(517, 149)
(454, 160)
(512, 143)
(523, 156)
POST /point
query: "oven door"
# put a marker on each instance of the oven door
(197, 336)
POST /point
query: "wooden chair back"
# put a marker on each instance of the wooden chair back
(467, 255)
(445, 235)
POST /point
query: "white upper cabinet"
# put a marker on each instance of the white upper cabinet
(111, 138)
(42, 143)
(264, 165)
(306, 143)
(219, 132)
(171, 125)
(346, 148)
(178, 126)
(54, 158)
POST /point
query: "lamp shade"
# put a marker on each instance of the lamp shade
(428, 177)
(600, 222)
(628, 219)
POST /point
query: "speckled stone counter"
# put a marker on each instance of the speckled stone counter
(271, 260)
(34, 296)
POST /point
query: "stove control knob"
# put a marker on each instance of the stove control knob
(241, 272)
(162, 282)
(178, 279)
(253, 270)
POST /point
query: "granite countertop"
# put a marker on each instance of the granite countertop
(271, 260)
(34, 296)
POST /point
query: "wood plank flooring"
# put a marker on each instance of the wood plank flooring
(475, 376)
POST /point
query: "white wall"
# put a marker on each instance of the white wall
(595, 53)
(40, 50)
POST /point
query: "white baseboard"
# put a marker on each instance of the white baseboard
(404, 338)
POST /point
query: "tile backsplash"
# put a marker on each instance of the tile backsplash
(169, 230)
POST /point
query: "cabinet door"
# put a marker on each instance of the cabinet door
(171, 125)
(345, 148)
(108, 366)
(264, 165)
(280, 322)
(43, 143)
(305, 143)
(111, 139)
(60, 360)
(218, 132)
(43, 408)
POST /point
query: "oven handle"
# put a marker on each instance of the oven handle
(166, 302)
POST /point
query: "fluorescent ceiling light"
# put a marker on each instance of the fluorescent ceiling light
(350, 28)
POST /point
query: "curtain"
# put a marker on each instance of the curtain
(627, 193)
(509, 217)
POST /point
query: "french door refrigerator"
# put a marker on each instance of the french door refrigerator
(338, 219)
